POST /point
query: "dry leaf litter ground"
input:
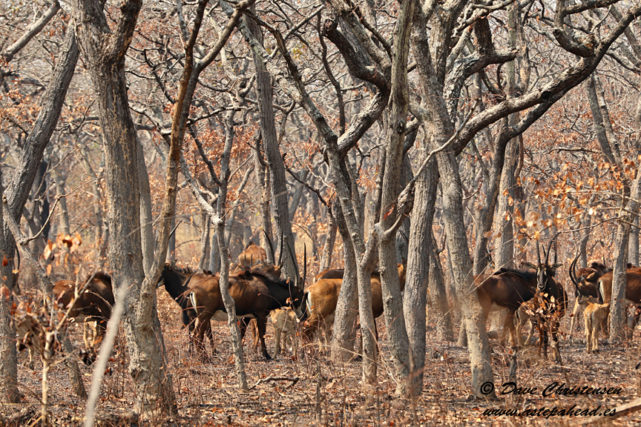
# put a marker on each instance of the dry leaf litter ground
(311, 390)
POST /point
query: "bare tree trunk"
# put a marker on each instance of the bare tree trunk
(8, 356)
(146, 218)
(205, 242)
(230, 307)
(328, 246)
(390, 286)
(438, 297)
(214, 254)
(154, 394)
(440, 128)
(274, 159)
(63, 213)
(504, 244)
(16, 195)
(633, 250)
(619, 279)
(619, 282)
(262, 183)
(418, 272)
(344, 327)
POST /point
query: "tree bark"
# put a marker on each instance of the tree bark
(438, 297)
(275, 163)
(440, 128)
(418, 272)
(390, 286)
(146, 219)
(17, 193)
(219, 222)
(504, 244)
(344, 327)
(104, 53)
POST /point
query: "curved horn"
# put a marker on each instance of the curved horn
(538, 252)
(547, 255)
(572, 272)
(271, 247)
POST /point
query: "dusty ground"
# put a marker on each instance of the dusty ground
(320, 392)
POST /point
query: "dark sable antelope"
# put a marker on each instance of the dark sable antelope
(175, 280)
(90, 301)
(549, 303)
(586, 286)
(510, 288)
(322, 297)
(507, 289)
(254, 295)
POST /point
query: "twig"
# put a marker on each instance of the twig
(269, 379)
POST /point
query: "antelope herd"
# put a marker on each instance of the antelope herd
(260, 293)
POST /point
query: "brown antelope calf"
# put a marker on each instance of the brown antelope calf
(595, 316)
(632, 290)
(31, 336)
(322, 297)
(285, 324)
(252, 254)
(586, 286)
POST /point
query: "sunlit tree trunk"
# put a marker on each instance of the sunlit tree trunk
(418, 271)
(275, 163)
(105, 61)
(16, 195)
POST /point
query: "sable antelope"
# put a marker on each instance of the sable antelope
(595, 317)
(632, 290)
(285, 323)
(92, 304)
(322, 297)
(175, 280)
(254, 295)
(252, 255)
(506, 288)
(549, 303)
(585, 281)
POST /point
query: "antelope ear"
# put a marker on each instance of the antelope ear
(555, 266)
(529, 264)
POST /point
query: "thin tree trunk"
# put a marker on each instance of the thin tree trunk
(146, 218)
(205, 242)
(105, 61)
(274, 160)
(418, 272)
(328, 246)
(17, 193)
(262, 183)
(438, 297)
(344, 327)
(504, 243)
(390, 286)
(224, 257)
(633, 250)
